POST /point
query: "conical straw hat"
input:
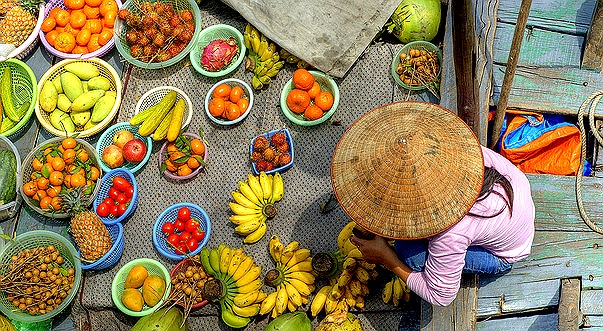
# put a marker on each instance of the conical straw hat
(407, 170)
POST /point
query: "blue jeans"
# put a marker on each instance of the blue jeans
(477, 260)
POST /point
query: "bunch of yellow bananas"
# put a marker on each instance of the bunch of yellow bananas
(254, 204)
(395, 291)
(292, 277)
(348, 285)
(263, 58)
(238, 273)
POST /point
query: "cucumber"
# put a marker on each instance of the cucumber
(163, 108)
(8, 176)
(7, 95)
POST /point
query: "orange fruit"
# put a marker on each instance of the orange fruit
(107, 6)
(74, 4)
(51, 37)
(61, 17)
(232, 111)
(56, 178)
(53, 191)
(193, 163)
(71, 29)
(77, 20)
(303, 79)
(45, 203)
(42, 183)
(105, 36)
(169, 165)
(298, 100)
(83, 37)
(94, 25)
(91, 12)
(58, 164)
(82, 155)
(93, 3)
(216, 107)
(56, 203)
(236, 93)
(54, 11)
(243, 104)
(78, 49)
(94, 173)
(313, 113)
(48, 24)
(93, 44)
(68, 156)
(37, 164)
(184, 170)
(77, 180)
(222, 91)
(109, 19)
(65, 42)
(197, 147)
(324, 100)
(68, 143)
(313, 92)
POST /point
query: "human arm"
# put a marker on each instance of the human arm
(378, 251)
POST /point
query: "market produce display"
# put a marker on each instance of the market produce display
(118, 198)
(185, 233)
(228, 101)
(219, 53)
(293, 278)
(263, 58)
(184, 157)
(307, 98)
(18, 19)
(237, 284)
(272, 152)
(188, 279)
(18, 89)
(141, 289)
(254, 204)
(418, 65)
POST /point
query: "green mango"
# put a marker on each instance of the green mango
(61, 121)
(103, 107)
(72, 85)
(86, 100)
(99, 83)
(84, 70)
(63, 102)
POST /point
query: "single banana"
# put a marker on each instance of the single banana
(272, 72)
(241, 210)
(248, 227)
(275, 57)
(244, 267)
(266, 187)
(344, 278)
(354, 253)
(225, 260)
(265, 80)
(254, 40)
(396, 291)
(366, 265)
(293, 294)
(362, 275)
(246, 40)
(252, 286)
(246, 299)
(214, 261)
(349, 298)
(243, 201)
(268, 304)
(281, 299)
(303, 276)
(330, 304)
(272, 243)
(305, 265)
(240, 219)
(248, 193)
(386, 295)
(252, 276)
(247, 311)
(355, 287)
(248, 29)
(288, 252)
(303, 288)
(299, 255)
(345, 234)
(255, 82)
(237, 256)
(266, 54)
(291, 306)
(349, 263)
(254, 183)
(278, 65)
(278, 188)
(256, 235)
(319, 300)
(336, 292)
(204, 256)
(231, 319)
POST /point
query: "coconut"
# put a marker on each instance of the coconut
(415, 20)
(297, 321)
(340, 322)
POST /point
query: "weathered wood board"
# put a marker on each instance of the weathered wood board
(536, 322)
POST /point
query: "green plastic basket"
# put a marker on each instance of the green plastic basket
(326, 84)
(153, 267)
(30, 240)
(24, 88)
(214, 32)
(134, 6)
(421, 45)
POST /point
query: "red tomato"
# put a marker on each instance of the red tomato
(121, 198)
(129, 192)
(167, 228)
(181, 248)
(102, 210)
(199, 234)
(179, 225)
(173, 239)
(113, 193)
(121, 209)
(113, 211)
(121, 183)
(109, 201)
(184, 214)
(191, 225)
(185, 236)
(192, 244)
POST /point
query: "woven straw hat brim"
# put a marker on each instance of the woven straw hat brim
(407, 170)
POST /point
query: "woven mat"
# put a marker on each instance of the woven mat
(307, 184)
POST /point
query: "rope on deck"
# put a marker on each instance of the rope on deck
(593, 100)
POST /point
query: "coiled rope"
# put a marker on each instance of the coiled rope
(593, 101)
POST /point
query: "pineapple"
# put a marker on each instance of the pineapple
(90, 233)
(19, 20)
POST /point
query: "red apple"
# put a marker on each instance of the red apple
(135, 151)
(112, 156)
(121, 137)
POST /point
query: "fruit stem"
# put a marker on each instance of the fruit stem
(274, 277)
(214, 290)
(328, 265)
(269, 210)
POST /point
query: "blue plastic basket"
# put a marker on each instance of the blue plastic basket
(291, 151)
(103, 193)
(114, 254)
(170, 215)
(106, 139)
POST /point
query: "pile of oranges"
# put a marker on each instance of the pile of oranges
(84, 27)
(228, 102)
(57, 169)
(307, 98)
(184, 156)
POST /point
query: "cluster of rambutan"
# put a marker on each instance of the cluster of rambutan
(157, 32)
(270, 153)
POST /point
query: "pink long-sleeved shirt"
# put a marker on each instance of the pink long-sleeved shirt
(508, 237)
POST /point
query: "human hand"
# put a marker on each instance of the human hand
(375, 250)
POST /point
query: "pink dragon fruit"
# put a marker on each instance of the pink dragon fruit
(218, 54)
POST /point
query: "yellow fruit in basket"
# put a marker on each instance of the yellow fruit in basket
(84, 70)
(132, 299)
(99, 83)
(80, 118)
(86, 100)
(153, 290)
(63, 102)
(72, 85)
(136, 277)
(48, 97)
(61, 121)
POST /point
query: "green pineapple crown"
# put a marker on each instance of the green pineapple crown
(74, 201)
(31, 6)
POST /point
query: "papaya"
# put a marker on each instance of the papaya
(153, 290)
(136, 277)
(132, 299)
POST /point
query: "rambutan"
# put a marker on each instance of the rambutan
(269, 154)
(284, 159)
(278, 138)
(283, 147)
(260, 143)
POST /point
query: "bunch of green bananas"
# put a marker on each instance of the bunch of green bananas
(348, 284)
(238, 277)
(395, 291)
(292, 277)
(263, 58)
(254, 204)
(290, 58)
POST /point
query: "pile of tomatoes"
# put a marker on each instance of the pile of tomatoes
(58, 168)
(228, 102)
(118, 201)
(185, 233)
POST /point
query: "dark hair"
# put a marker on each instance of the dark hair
(491, 177)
